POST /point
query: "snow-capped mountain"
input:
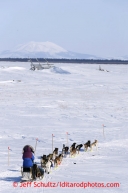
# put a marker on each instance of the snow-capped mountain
(43, 50)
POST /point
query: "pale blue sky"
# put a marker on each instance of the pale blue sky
(98, 27)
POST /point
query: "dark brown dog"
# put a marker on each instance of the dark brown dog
(50, 156)
(73, 151)
(78, 147)
(55, 152)
(37, 172)
(87, 145)
(72, 146)
(42, 160)
(65, 150)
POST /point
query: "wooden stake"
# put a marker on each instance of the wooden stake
(8, 156)
(36, 144)
(52, 142)
(103, 132)
(67, 138)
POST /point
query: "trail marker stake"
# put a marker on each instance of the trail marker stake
(9, 156)
(67, 137)
(36, 145)
(52, 142)
(103, 131)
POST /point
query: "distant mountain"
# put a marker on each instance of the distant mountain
(43, 50)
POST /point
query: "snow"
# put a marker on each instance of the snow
(59, 70)
(73, 98)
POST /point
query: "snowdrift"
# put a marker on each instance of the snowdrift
(59, 70)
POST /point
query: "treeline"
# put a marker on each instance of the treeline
(53, 60)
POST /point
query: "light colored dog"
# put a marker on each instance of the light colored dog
(58, 160)
(46, 163)
(48, 166)
(94, 144)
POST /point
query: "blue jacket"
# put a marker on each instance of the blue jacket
(28, 162)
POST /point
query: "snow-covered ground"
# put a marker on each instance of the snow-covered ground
(73, 98)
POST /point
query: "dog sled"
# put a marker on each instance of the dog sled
(32, 174)
(26, 174)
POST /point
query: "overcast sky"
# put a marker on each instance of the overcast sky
(97, 27)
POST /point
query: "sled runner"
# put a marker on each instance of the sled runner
(32, 173)
(26, 174)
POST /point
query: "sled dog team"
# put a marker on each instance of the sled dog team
(30, 170)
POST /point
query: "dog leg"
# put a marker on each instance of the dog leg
(91, 148)
(96, 147)
(71, 155)
(86, 149)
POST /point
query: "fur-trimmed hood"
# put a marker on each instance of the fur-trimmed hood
(27, 152)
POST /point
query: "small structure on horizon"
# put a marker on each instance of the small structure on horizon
(40, 66)
(100, 68)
